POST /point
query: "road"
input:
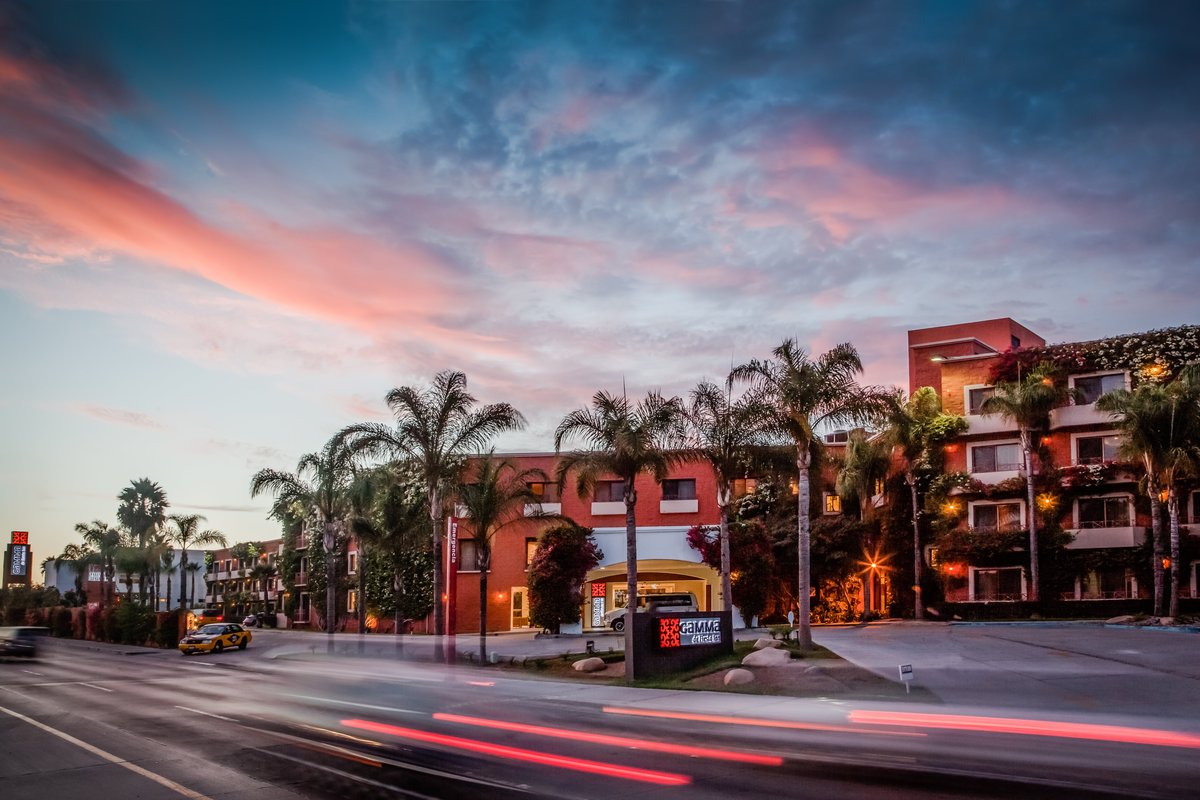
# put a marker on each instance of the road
(277, 722)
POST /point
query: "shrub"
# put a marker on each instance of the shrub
(132, 624)
(166, 632)
(61, 623)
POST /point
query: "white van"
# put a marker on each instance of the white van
(668, 601)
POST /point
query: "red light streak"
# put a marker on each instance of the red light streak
(502, 751)
(1029, 727)
(618, 741)
(762, 723)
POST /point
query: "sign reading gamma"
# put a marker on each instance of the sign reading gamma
(689, 631)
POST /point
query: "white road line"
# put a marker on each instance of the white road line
(107, 756)
(206, 713)
(31, 672)
(94, 686)
(331, 701)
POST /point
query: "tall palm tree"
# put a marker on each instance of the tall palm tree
(184, 531)
(722, 432)
(918, 428)
(78, 557)
(1027, 403)
(436, 429)
(1158, 426)
(261, 575)
(143, 508)
(106, 540)
(805, 395)
(319, 485)
(494, 499)
(867, 462)
(626, 440)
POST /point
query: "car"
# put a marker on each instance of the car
(20, 641)
(202, 616)
(214, 637)
(668, 601)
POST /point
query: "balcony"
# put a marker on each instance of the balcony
(1093, 538)
(302, 579)
(992, 423)
(1069, 416)
(534, 509)
(678, 506)
(608, 509)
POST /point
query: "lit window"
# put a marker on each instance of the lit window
(1089, 389)
(879, 486)
(1104, 512)
(610, 491)
(545, 492)
(351, 601)
(833, 503)
(996, 458)
(1097, 449)
(743, 486)
(681, 489)
(996, 517)
(977, 397)
(530, 549)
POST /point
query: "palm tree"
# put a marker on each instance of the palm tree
(918, 429)
(105, 540)
(805, 395)
(626, 440)
(78, 557)
(184, 531)
(436, 429)
(143, 508)
(723, 433)
(1158, 427)
(867, 462)
(494, 500)
(319, 485)
(261, 574)
(1027, 403)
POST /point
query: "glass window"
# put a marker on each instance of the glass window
(545, 492)
(837, 437)
(1096, 449)
(1089, 389)
(530, 550)
(833, 504)
(468, 555)
(351, 601)
(976, 398)
(1195, 508)
(998, 584)
(352, 565)
(681, 489)
(996, 458)
(743, 486)
(1104, 512)
(996, 517)
(610, 491)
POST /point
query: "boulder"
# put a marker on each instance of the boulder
(763, 644)
(1124, 619)
(589, 665)
(737, 677)
(770, 657)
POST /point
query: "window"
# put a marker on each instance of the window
(545, 492)
(976, 398)
(1015, 341)
(610, 491)
(1089, 389)
(996, 458)
(879, 484)
(530, 549)
(680, 489)
(743, 486)
(1104, 512)
(832, 503)
(352, 563)
(228, 566)
(1002, 584)
(351, 601)
(1097, 449)
(1195, 508)
(837, 437)
(996, 517)
(468, 555)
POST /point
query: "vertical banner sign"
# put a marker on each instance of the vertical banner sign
(598, 592)
(451, 574)
(17, 560)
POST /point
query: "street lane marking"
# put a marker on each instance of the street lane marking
(331, 701)
(206, 713)
(94, 686)
(31, 672)
(107, 756)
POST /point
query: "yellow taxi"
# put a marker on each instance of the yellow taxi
(214, 638)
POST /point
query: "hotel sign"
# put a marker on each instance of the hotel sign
(19, 561)
(688, 631)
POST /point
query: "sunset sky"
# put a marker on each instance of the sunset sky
(228, 229)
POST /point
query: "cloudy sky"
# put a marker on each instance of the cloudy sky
(227, 230)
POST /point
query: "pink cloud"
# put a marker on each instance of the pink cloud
(123, 417)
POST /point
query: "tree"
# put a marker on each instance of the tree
(78, 557)
(494, 499)
(918, 428)
(261, 574)
(106, 540)
(319, 485)
(564, 555)
(143, 508)
(626, 440)
(436, 428)
(722, 432)
(1027, 403)
(184, 531)
(803, 395)
(867, 462)
(1158, 426)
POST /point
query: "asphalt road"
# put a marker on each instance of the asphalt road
(281, 721)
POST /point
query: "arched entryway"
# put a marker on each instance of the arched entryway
(605, 587)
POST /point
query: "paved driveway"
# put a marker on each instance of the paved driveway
(1045, 666)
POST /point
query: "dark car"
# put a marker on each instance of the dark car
(20, 641)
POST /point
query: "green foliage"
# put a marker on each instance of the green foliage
(133, 623)
(563, 557)
(60, 623)
(166, 631)
(1155, 355)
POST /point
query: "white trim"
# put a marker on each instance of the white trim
(1193, 499)
(971, 583)
(971, 504)
(825, 503)
(998, 475)
(967, 398)
(678, 506)
(1124, 373)
(608, 509)
(1075, 525)
(963, 340)
(1086, 435)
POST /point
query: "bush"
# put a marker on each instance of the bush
(61, 623)
(166, 632)
(111, 631)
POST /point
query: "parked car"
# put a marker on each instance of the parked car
(214, 638)
(21, 640)
(668, 601)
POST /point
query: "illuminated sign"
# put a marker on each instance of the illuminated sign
(94, 574)
(20, 560)
(598, 589)
(20, 537)
(597, 612)
(688, 631)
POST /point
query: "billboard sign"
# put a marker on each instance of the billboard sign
(19, 563)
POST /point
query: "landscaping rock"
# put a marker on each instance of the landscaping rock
(738, 677)
(763, 644)
(589, 665)
(771, 657)
(1124, 619)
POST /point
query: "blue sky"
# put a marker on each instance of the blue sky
(227, 229)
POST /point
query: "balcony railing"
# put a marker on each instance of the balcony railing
(302, 579)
